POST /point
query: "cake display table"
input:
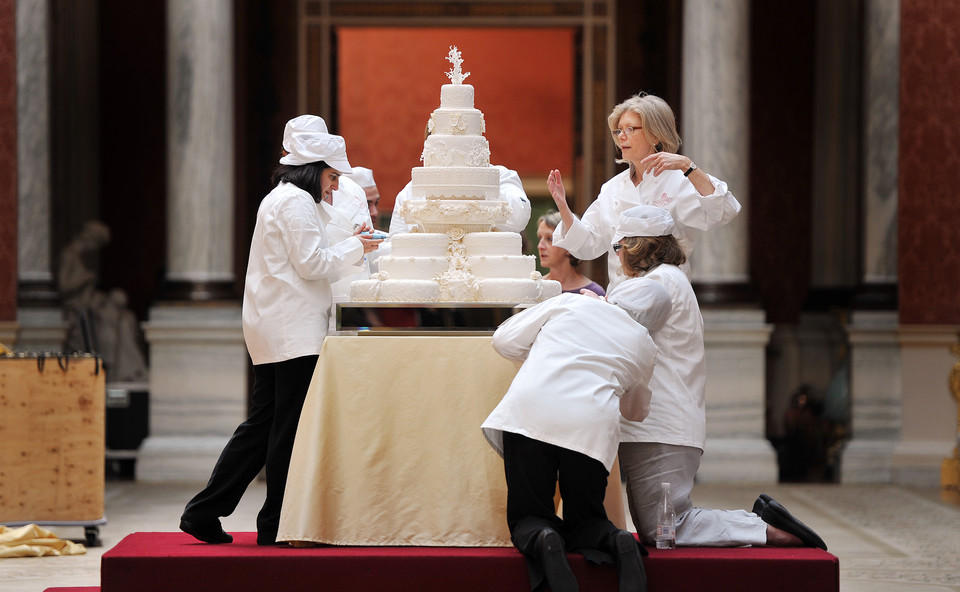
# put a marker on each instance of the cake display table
(389, 449)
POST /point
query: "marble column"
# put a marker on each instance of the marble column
(714, 124)
(200, 147)
(881, 95)
(8, 172)
(875, 381)
(198, 362)
(41, 321)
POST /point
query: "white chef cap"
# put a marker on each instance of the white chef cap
(645, 300)
(306, 140)
(644, 221)
(363, 176)
(311, 123)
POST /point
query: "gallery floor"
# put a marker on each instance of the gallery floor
(888, 538)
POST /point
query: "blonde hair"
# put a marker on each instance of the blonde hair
(656, 117)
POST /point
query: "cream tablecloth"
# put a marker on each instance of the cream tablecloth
(389, 449)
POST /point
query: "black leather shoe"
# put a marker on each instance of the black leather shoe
(774, 514)
(208, 532)
(626, 555)
(268, 539)
(759, 504)
(553, 558)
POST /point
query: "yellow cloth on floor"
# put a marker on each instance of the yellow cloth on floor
(32, 541)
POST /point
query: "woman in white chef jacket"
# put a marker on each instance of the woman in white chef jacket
(286, 303)
(585, 362)
(668, 444)
(644, 131)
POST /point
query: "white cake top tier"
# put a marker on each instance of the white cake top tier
(456, 96)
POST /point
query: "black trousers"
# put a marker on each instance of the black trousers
(264, 439)
(532, 469)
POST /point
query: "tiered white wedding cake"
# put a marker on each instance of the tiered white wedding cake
(454, 255)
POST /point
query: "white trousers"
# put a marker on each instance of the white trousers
(645, 465)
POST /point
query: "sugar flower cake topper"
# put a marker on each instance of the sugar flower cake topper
(456, 75)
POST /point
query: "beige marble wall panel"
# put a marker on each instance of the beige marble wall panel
(198, 371)
(929, 411)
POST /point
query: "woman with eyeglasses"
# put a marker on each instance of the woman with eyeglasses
(563, 266)
(644, 131)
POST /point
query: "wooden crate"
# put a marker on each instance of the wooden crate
(51, 439)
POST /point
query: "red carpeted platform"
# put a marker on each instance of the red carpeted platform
(163, 561)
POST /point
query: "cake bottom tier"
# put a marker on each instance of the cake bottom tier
(454, 290)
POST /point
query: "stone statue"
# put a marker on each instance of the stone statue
(99, 321)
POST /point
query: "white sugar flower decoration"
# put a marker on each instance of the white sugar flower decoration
(456, 74)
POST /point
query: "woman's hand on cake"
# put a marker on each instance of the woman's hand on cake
(369, 243)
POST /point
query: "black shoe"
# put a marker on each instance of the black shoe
(268, 539)
(774, 514)
(208, 532)
(759, 504)
(626, 555)
(553, 558)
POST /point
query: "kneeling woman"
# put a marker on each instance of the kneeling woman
(667, 445)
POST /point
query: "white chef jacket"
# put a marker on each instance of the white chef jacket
(286, 295)
(350, 202)
(511, 191)
(584, 362)
(592, 235)
(677, 413)
(349, 210)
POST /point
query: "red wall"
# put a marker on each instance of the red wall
(8, 160)
(929, 206)
(389, 82)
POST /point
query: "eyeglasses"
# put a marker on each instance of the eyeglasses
(617, 247)
(625, 131)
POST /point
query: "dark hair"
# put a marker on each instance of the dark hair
(552, 220)
(306, 176)
(643, 253)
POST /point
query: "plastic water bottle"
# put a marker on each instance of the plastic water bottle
(666, 520)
